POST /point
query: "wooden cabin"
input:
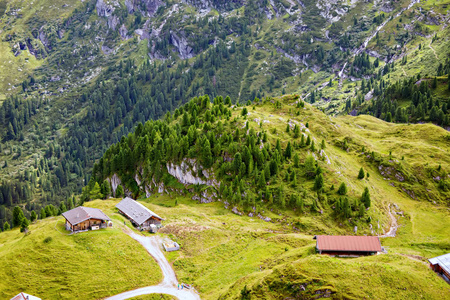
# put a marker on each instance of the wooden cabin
(85, 218)
(138, 214)
(441, 265)
(347, 246)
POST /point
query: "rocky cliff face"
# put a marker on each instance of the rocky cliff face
(181, 43)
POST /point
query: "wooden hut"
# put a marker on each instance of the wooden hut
(347, 246)
(441, 265)
(85, 218)
(138, 214)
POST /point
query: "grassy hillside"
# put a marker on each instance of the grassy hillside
(222, 252)
(51, 264)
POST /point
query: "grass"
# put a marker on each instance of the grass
(222, 252)
(51, 264)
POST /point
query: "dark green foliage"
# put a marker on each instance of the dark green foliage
(361, 173)
(342, 189)
(119, 191)
(18, 216)
(365, 198)
(33, 216)
(318, 182)
(42, 214)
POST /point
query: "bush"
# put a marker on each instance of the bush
(48, 240)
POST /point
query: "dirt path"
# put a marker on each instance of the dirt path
(404, 73)
(169, 283)
(435, 55)
(394, 225)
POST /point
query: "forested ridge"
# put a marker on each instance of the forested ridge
(88, 73)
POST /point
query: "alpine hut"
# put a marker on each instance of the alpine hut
(85, 218)
(138, 214)
(441, 265)
(347, 246)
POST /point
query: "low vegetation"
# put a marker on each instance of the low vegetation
(50, 263)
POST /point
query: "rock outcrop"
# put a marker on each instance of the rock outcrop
(181, 43)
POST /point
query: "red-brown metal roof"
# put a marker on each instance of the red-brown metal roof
(348, 243)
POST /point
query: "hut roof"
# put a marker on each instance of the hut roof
(136, 211)
(24, 296)
(348, 243)
(443, 261)
(81, 213)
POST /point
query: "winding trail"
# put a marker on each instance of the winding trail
(394, 225)
(435, 55)
(169, 283)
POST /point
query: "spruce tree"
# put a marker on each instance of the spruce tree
(308, 140)
(365, 198)
(18, 216)
(95, 193)
(296, 160)
(323, 145)
(310, 168)
(119, 191)
(302, 141)
(6, 226)
(43, 215)
(318, 182)
(313, 148)
(342, 189)
(33, 216)
(288, 151)
(361, 173)
(24, 225)
(262, 180)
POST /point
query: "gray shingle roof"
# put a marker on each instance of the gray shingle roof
(81, 213)
(443, 261)
(136, 211)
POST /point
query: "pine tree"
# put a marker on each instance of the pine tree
(323, 145)
(24, 225)
(288, 128)
(18, 216)
(33, 216)
(313, 148)
(296, 131)
(262, 180)
(361, 173)
(119, 191)
(95, 193)
(105, 189)
(296, 160)
(347, 209)
(6, 226)
(288, 151)
(207, 157)
(361, 210)
(43, 215)
(62, 208)
(365, 198)
(308, 140)
(318, 182)
(342, 189)
(302, 141)
(310, 168)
